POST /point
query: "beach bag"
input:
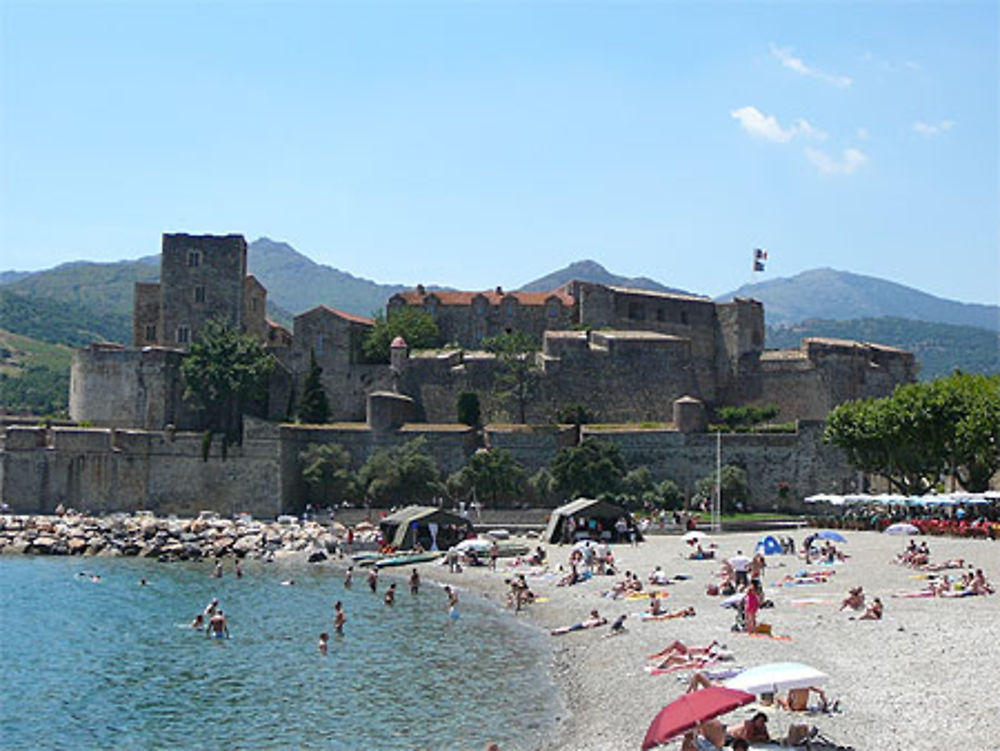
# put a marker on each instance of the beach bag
(764, 628)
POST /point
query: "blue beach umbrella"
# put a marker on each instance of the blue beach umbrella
(829, 534)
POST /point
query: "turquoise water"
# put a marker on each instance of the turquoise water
(113, 665)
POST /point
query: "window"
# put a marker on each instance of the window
(553, 309)
(199, 293)
(661, 316)
(636, 312)
(183, 334)
(684, 318)
(151, 332)
(194, 258)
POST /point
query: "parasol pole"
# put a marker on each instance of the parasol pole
(717, 501)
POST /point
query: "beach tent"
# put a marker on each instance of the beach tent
(769, 545)
(434, 528)
(593, 519)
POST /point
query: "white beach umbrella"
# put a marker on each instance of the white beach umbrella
(694, 535)
(776, 676)
(902, 529)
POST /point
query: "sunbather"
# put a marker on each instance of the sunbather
(874, 611)
(594, 621)
(797, 699)
(855, 599)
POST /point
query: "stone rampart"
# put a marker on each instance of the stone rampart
(532, 446)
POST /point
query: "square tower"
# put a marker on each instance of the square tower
(201, 279)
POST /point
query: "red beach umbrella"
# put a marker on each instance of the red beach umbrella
(684, 713)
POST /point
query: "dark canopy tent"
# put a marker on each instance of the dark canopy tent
(593, 519)
(413, 524)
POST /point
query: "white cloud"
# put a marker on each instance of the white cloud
(786, 58)
(889, 66)
(767, 127)
(852, 159)
(929, 130)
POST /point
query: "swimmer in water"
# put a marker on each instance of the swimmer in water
(95, 578)
(217, 571)
(143, 582)
(390, 594)
(452, 601)
(349, 576)
(288, 583)
(324, 642)
(210, 608)
(198, 622)
(339, 619)
(217, 626)
(373, 579)
(238, 569)
(414, 582)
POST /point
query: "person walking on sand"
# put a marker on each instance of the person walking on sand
(414, 582)
(339, 619)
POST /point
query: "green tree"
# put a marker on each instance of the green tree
(224, 373)
(637, 481)
(542, 485)
(518, 377)
(468, 409)
(313, 405)
(400, 474)
(593, 468)
(494, 474)
(670, 495)
(575, 414)
(735, 487)
(326, 469)
(413, 324)
(975, 446)
(740, 417)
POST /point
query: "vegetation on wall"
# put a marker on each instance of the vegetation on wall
(413, 324)
(402, 474)
(313, 406)
(326, 470)
(494, 475)
(593, 468)
(517, 379)
(468, 409)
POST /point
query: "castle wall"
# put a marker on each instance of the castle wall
(125, 388)
(100, 471)
(534, 446)
(146, 314)
(201, 279)
(739, 344)
(255, 308)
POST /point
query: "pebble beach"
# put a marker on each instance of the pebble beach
(923, 677)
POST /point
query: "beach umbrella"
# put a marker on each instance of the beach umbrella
(694, 536)
(685, 713)
(901, 529)
(829, 534)
(776, 676)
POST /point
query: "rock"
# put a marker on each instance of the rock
(77, 545)
(316, 556)
(43, 544)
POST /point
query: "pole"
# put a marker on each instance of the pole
(717, 504)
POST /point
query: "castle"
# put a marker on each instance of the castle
(627, 356)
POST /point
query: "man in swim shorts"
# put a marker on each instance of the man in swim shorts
(217, 626)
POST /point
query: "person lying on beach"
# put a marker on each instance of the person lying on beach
(949, 564)
(797, 699)
(663, 615)
(594, 621)
(855, 599)
(700, 554)
(617, 627)
(678, 647)
(573, 577)
(753, 730)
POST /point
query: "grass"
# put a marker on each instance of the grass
(760, 516)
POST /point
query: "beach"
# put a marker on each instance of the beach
(914, 680)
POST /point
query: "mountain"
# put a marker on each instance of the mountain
(939, 347)
(47, 319)
(6, 277)
(838, 295)
(592, 271)
(297, 283)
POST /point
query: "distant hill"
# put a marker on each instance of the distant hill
(940, 347)
(58, 322)
(592, 271)
(838, 295)
(297, 283)
(6, 277)
(34, 375)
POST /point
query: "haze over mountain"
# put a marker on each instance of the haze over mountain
(840, 295)
(592, 271)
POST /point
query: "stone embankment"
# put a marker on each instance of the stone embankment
(164, 539)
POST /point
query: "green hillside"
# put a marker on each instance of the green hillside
(59, 322)
(34, 375)
(940, 347)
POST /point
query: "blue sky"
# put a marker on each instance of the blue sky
(476, 144)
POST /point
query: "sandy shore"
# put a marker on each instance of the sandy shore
(922, 678)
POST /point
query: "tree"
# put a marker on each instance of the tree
(735, 487)
(494, 474)
(542, 485)
(400, 474)
(637, 481)
(413, 324)
(223, 374)
(575, 414)
(468, 409)
(518, 377)
(593, 468)
(923, 430)
(744, 417)
(313, 405)
(670, 495)
(326, 469)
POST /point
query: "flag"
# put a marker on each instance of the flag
(759, 254)
(758, 266)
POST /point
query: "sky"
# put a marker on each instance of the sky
(484, 143)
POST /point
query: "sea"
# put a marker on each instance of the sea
(111, 664)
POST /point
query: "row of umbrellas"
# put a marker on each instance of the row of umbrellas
(685, 713)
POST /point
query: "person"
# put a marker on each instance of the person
(874, 611)
(797, 699)
(348, 576)
(217, 626)
(452, 601)
(324, 642)
(143, 582)
(390, 594)
(238, 569)
(594, 621)
(740, 744)
(618, 626)
(741, 567)
(210, 608)
(198, 622)
(217, 571)
(287, 583)
(751, 601)
(373, 579)
(855, 599)
(655, 604)
(494, 554)
(414, 582)
(350, 540)
(339, 619)
(753, 730)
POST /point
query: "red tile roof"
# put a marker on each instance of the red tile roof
(346, 316)
(493, 297)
